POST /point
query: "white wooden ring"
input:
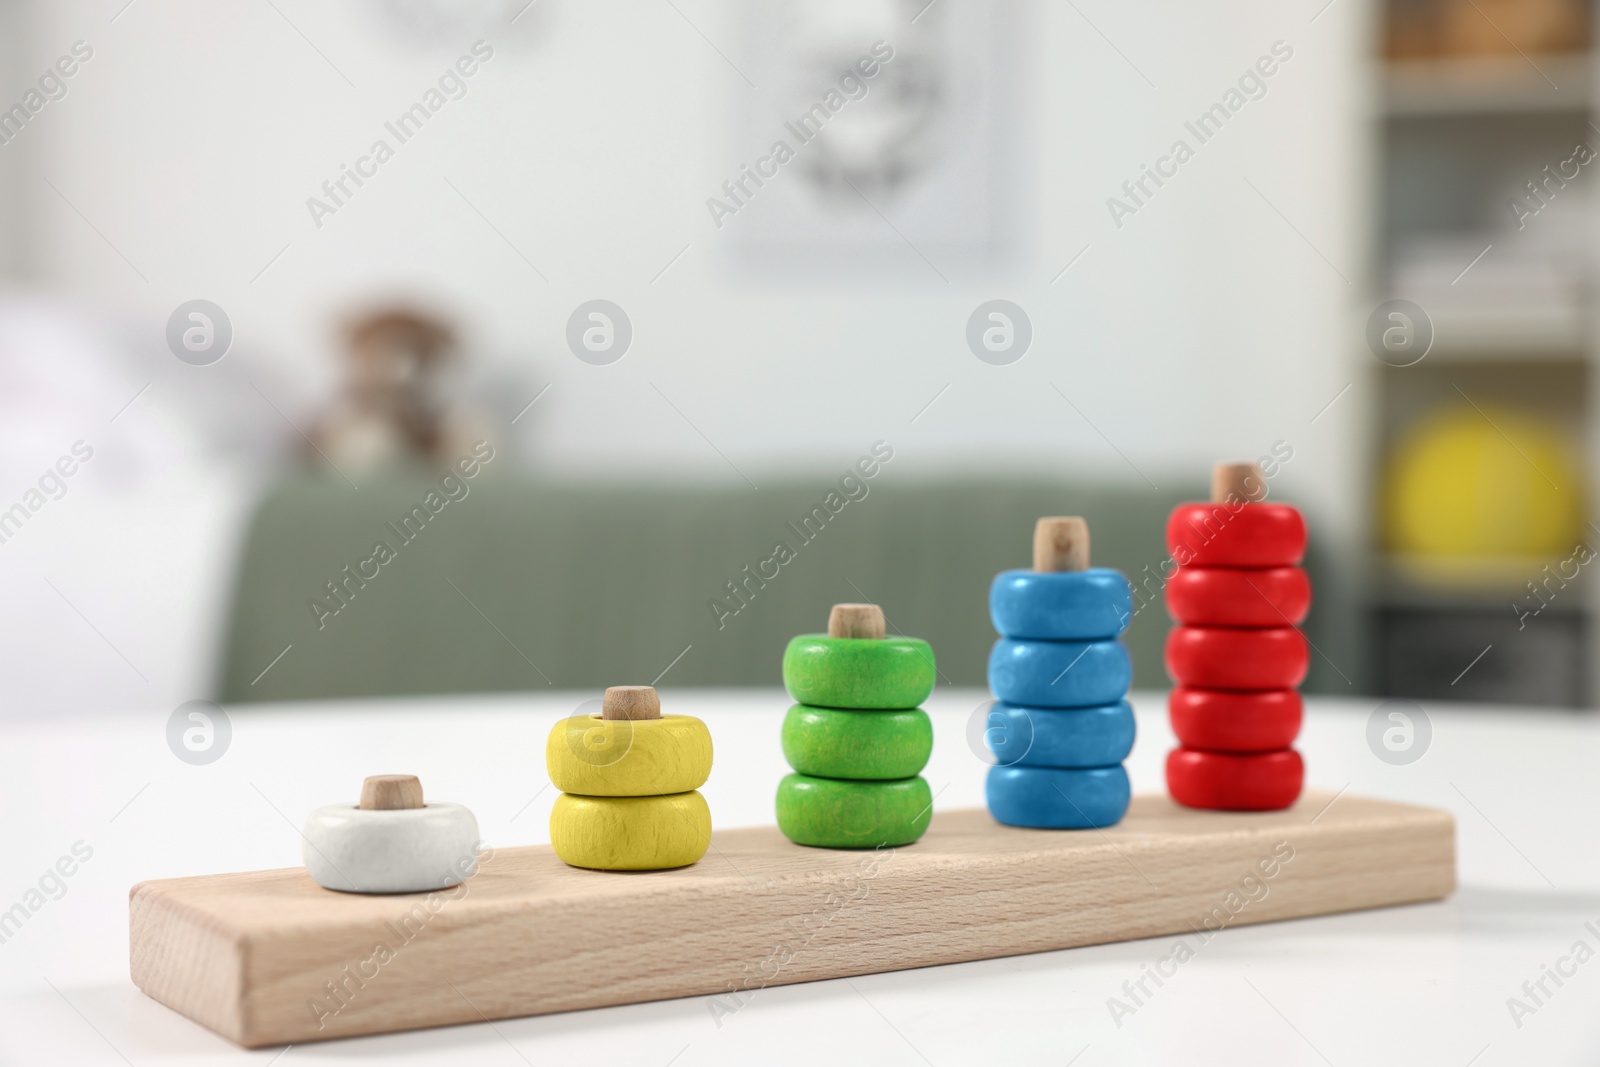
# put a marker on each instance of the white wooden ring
(397, 850)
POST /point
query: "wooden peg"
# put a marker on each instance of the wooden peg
(631, 702)
(1243, 480)
(386, 792)
(1061, 544)
(857, 620)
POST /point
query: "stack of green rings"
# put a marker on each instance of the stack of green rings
(856, 739)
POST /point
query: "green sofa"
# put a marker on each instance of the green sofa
(531, 585)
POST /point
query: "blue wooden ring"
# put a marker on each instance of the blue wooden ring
(1049, 798)
(1060, 737)
(1061, 606)
(1059, 674)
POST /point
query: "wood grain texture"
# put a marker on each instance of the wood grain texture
(253, 955)
(630, 702)
(857, 620)
(1240, 480)
(390, 792)
(1061, 543)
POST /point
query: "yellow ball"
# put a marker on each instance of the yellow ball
(630, 833)
(598, 757)
(1458, 485)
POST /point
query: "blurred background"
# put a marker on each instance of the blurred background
(421, 346)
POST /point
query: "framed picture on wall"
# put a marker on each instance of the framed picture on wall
(882, 136)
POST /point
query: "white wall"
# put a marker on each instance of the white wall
(178, 165)
(12, 49)
(1205, 327)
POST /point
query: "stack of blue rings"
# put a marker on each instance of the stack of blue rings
(1062, 725)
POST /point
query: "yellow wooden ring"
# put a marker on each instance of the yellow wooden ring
(597, 757)
(630, 833)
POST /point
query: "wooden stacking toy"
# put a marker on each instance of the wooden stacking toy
(629, 778)
(271, 958)
(1062, 726)
(856, 738)
(391, 842)
(1237, 656)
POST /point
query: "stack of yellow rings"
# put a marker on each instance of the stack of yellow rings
(628, 779)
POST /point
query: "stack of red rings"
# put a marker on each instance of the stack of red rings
(1237, 657)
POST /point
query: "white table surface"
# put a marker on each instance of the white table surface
(1425, 984)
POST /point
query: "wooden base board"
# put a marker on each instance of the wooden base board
(270, 957)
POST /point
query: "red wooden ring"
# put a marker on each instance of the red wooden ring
(1235, 596)
(1215, 657)
(1269, 781)
(1254, 535)
(1217, 720)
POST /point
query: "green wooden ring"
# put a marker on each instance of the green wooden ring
(873, 745)
(829, 813)
(858, 672)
